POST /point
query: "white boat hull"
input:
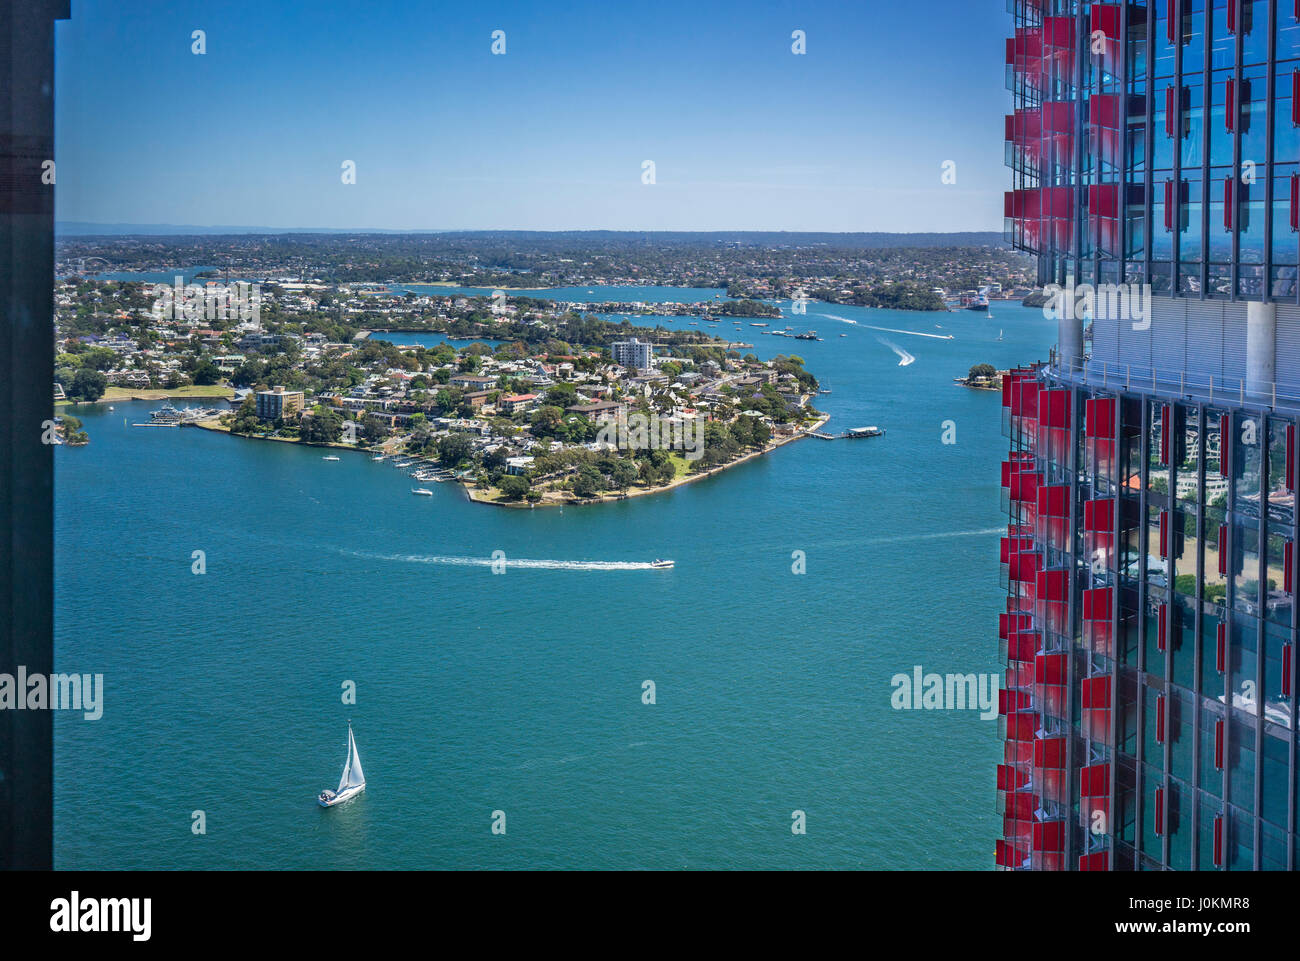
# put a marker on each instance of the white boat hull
(328, 799)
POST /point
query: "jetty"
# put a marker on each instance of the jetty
(853, 433)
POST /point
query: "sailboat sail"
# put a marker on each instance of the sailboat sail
(353, 776)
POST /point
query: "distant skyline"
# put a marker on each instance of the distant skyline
(851, 136)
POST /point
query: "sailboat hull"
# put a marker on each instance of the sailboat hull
(328, 799)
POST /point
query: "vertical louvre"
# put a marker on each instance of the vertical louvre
(1167, 428)
(1221, 648)
(1163, 634)
(1218, 744)
(1164, 535)
(1286, 670)
(1160, 812)
(1160, 719)
(1290, 448)
(1218, 841)
(1225, 445)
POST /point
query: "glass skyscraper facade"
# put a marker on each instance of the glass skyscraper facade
(1149, 709)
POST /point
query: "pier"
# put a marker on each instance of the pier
(853, 433)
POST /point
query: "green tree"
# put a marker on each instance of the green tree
(453, 449)
(324, 426)
(513, 487)
(246, 420)
(87, 384)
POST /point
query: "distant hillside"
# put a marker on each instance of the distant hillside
(869, 241)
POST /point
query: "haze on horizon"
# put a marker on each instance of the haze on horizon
(744, 134)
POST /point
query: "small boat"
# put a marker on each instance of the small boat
(329, 457)
(844, 335)
(660, 564)
(422, 491)
(999, 335)
(111, 407)
(353, 781)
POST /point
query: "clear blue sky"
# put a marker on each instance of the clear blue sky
(744, 134)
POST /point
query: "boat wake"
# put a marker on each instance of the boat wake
(904, 358)
(888, 330)
(913, 333)
(943, 535)
(519, 563)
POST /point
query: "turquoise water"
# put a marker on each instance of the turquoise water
(521, 692)
(187, 275)
(607, 294)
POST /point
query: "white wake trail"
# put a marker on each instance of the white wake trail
(904, 358)
(515, 562)
(888, 330)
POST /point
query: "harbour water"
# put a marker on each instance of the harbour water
(522, 692)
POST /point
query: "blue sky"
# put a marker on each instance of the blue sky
(743, 133)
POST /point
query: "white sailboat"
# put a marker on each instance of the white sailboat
(353, 781)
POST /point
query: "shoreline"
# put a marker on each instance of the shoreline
(606, 498)
(122, 395)
(471, 492)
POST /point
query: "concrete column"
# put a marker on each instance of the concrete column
(1261, 348)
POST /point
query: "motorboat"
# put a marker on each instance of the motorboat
(659, 564)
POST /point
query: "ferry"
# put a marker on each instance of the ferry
(329, 457)
(758, 325)
(660, 565)
(422, 491)
(166, 416)
(809, 335)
